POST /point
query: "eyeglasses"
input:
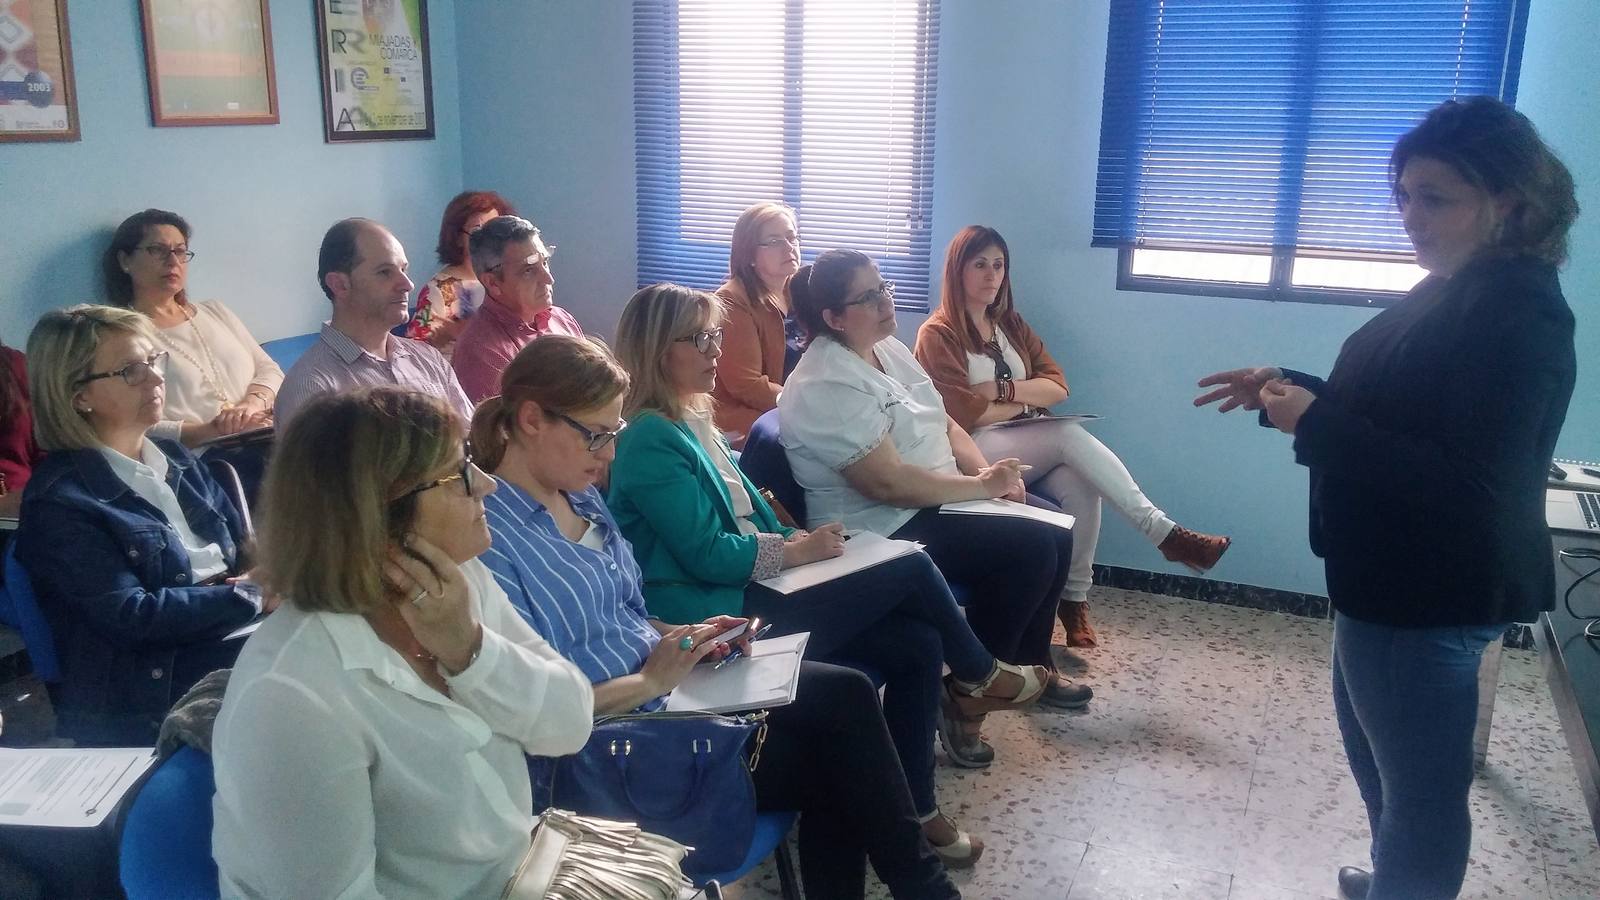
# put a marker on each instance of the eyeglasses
(159, 252)
(134, 373)
(464, 476)
(883, 293)
(543, 262)
(704, 341)
(597, 439)
(784, 241)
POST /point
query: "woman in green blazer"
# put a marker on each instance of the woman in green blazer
(703, 535)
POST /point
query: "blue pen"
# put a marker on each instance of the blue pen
(735, 653)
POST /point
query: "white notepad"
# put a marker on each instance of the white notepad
(1010, 508)
(769, 676)
(67, 788)
(862, 550)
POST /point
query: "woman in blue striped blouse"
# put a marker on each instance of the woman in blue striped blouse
(559, 557)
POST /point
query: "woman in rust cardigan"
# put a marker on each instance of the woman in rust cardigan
(760, 345)
(990, 368)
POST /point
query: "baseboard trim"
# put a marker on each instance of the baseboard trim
(1248, 596)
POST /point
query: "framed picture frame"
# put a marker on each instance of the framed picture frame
(38, 100)
(377, 75)
(209, 62)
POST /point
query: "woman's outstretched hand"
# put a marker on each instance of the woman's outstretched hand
(1237, 387)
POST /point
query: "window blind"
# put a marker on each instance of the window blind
(1268, 123)
(826, 105)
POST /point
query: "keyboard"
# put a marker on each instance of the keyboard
(1589, 504)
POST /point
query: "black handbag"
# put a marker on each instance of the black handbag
(685, 775)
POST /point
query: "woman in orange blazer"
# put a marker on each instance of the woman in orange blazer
(759, 346)
(990, 367)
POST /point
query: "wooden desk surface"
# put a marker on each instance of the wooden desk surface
(1572, 666)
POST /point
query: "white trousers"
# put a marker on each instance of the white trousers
(1072, 467)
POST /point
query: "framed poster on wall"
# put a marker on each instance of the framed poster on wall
(377, 83)
(209, 62)
(37, 99)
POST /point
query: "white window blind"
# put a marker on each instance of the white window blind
(826, 105)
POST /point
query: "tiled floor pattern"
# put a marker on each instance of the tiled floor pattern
(1209, 767)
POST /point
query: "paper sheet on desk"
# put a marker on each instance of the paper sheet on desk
(769, 676)
(67, 788)
(1009, 508)
(862, 551)
(1576, 479)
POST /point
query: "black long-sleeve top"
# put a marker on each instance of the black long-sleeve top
(1428, 447)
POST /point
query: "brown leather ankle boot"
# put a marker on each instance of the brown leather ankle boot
(1074, 618)
(1193, 549)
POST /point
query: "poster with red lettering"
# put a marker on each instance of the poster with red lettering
(37, 100)
(376, 80)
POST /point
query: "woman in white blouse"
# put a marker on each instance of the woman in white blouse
(372, 738)
(219, 380)
(869, 440)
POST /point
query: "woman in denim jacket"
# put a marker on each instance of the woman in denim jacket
(132, 547)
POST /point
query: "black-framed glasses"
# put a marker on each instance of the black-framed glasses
(780, 241)
(597, 439)
(160, 252)
(134, 373)
(464, 476)
(1002, 370)
(704, 341)
(883, 293)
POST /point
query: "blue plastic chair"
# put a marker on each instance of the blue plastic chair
(767, 466)
(284, 351)
(19, 608)
(166, 838)
(772, 830)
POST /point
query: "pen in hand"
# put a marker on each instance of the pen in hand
(735, 653)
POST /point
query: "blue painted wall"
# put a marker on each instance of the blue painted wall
(1018, 129)
(259, 197)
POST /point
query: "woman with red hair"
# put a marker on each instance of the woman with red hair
(452, 295)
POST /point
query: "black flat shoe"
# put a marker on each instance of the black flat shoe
(1354, 883)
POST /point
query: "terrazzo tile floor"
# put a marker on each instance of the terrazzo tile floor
(1209, 766)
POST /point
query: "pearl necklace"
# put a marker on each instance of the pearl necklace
(213, 381)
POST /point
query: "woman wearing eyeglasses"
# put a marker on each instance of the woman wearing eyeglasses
(372, 739)
(991, 368)
(566, 566)
(131, 546)
(762, 340)
(453, 294)
(704, 537)
(219, 380)
(869, 440)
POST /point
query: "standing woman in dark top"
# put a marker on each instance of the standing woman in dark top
(1428, 446)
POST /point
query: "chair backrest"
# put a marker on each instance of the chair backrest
(228, 477)
(767, 466)
(166, 838)
(284, 351)
(19, 608)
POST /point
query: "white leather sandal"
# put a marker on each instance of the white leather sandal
(963, 852)
(974, 698)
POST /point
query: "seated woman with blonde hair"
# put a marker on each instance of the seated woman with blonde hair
(372, 738)
(132, 546)
(763, 343)
(559, 555)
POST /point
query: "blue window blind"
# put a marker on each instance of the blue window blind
(826, 105)
(1268, 123)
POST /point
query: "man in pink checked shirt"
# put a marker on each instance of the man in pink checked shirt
(513, 264)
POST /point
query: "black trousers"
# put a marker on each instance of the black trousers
(1015, 570)
(828, 755)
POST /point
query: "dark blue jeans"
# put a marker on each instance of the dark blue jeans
(899, 622)
(1407, 703)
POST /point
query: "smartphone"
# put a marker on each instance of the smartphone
(732, 634)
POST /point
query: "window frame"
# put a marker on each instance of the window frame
(1279, 286)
